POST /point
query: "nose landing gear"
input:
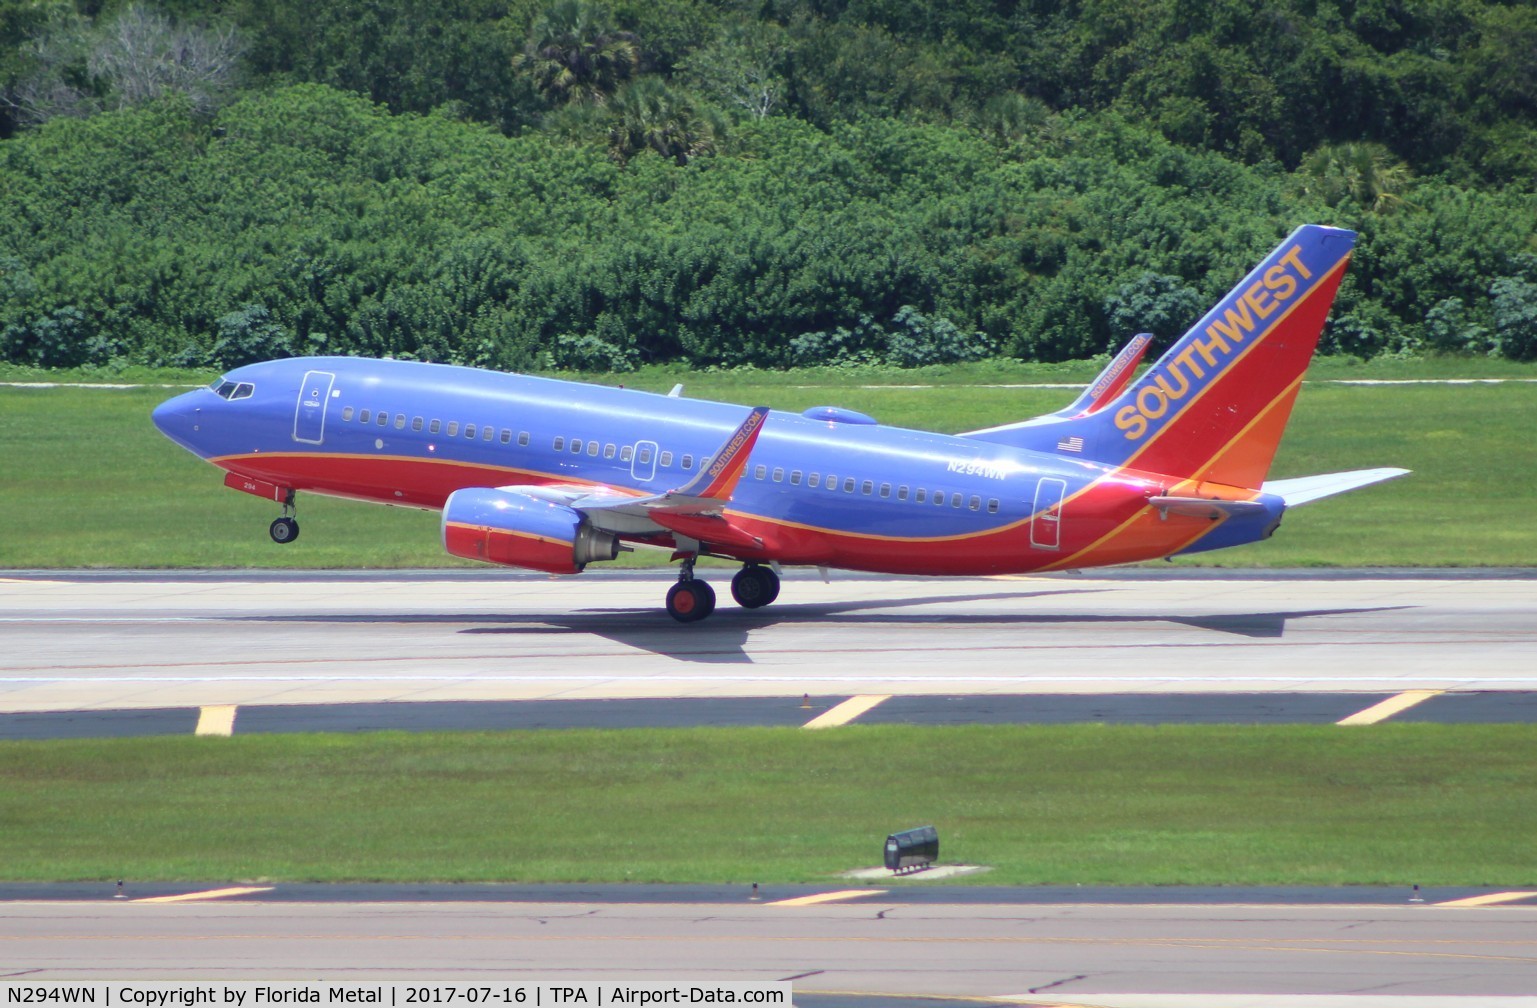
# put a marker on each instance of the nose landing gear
(285, 529)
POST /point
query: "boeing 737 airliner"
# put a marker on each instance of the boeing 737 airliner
(554, 475)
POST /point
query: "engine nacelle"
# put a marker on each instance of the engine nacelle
(516, 530)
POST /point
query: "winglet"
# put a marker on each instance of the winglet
(719, 479)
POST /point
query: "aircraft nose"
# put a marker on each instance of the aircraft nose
(178, 419)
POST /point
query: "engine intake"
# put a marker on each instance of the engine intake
(516, 530)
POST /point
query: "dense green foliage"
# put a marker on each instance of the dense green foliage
(554, 183)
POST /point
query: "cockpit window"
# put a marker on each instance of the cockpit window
(226, 389)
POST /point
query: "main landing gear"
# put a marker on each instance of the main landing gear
(286, 528)
(691, 600)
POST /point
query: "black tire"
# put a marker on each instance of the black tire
(283, 530)
(690, 601)
(755, 586)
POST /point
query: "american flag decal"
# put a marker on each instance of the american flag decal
(1072, 444)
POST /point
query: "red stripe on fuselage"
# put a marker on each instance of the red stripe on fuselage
(1093, 527)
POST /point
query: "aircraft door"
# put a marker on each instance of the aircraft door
(310, 413)
(643, 462)
(1046, 522)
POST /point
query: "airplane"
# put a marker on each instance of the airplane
(553, 475)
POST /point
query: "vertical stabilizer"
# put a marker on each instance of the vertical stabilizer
(1213, 407)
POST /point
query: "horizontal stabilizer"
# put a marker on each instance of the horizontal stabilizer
(1311, 488)
(1201, 507)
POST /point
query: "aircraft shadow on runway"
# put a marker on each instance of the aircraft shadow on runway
(723, 638)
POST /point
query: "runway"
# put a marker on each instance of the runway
(196, 640)
(396, 646)
(865, 951)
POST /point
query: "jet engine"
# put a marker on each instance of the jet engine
(516, 530)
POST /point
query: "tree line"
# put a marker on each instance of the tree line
(530, 184)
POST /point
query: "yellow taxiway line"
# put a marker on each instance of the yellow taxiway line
(827, 897)
(1491, 899)
(217, 719)
(1392, 705)
(205, 895)
(845, 712)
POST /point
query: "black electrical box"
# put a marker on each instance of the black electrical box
(914, 848)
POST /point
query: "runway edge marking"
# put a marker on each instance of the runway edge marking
(1392, 705)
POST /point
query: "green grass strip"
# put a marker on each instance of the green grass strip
(1226, 805)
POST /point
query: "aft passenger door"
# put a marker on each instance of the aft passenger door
(310, 413)
(1046, 516)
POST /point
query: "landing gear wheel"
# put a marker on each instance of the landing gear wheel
(283, 530)
(754, 586)
(690, 601)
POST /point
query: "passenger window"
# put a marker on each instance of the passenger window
(920, 495)
(435, 427)
(626, 453)
(832, 482)
(992, 505)
(384, 419)
(576, 446)
(901, 493)
(759, 472)
(645, 456)
(592, 449)
(453, 428)
(779, 475)
(364, 416)
(560, 444)
(666, 458)
(867, 487)
(688, 461)
(814, 480)
(848, 484)
(470, 431)
(608, 451)
(416, 423)
(506, 435)
(939, 498)
(975, 503)
(347, 414)
(885, 489)
(522, 437)
(400, 421)
(955, 500)
(795, 477)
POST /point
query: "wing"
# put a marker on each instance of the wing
(694, 510)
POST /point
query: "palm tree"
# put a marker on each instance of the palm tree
(573, 54)
(1367, 173)
(653, 116)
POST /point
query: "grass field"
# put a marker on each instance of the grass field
(1240, 805)
(90, 483)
